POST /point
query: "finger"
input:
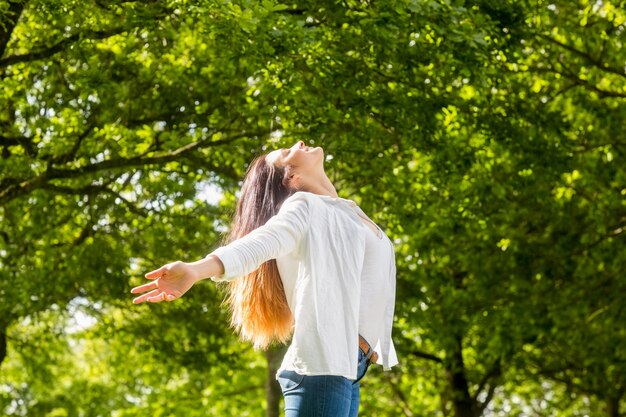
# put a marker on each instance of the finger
(156, 273)
(157, 298)
(145, 287)
(170, 297)
(145, 297)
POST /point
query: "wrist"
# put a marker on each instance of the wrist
(204, 268)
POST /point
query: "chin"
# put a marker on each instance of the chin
(322, 157)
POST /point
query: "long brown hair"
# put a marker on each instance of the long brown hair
(257, 301)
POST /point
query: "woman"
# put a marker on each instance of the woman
(305, 264)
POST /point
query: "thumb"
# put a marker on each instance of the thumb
(156, 273)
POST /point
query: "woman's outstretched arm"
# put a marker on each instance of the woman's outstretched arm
(280, 235)
(172, 280)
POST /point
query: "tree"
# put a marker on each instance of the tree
(484, 136)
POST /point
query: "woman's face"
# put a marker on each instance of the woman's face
(299, 157)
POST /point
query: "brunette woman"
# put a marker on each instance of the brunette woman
(306, 266)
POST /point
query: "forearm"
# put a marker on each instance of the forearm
(208, 267)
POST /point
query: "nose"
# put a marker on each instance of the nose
(299, 144)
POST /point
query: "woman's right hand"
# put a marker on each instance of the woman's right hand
(169, 282)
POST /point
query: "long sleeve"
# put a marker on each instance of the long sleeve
(280, 235)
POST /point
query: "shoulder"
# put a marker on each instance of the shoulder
(303, 202)
(300, 201)
(304, 196)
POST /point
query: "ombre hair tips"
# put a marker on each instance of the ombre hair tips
(257, 301)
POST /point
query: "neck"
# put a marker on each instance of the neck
(321, 185)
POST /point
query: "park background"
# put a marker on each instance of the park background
(485, 136)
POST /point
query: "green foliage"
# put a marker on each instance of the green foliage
(484, 136)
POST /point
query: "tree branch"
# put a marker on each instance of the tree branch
(494, 372)
(47, 52)
(6, 26)
(614, 230)
(482, 405)
(568, 73)
(424, 355)
(568, 382)
(585, 56)
(108, 7)
(86, 232)
(25, 142)
(22, 187)
(577, 81)
(94, 190)
(71, 154)
(404, 405)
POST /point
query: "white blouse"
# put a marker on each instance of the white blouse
(319, 243)
(375, 285)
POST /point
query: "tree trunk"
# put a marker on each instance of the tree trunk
(274, 356)
(612, 406)
(462, 402)
(3, 344)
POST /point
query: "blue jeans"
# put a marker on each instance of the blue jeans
(322, 395)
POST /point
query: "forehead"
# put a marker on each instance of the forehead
(276, 157)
